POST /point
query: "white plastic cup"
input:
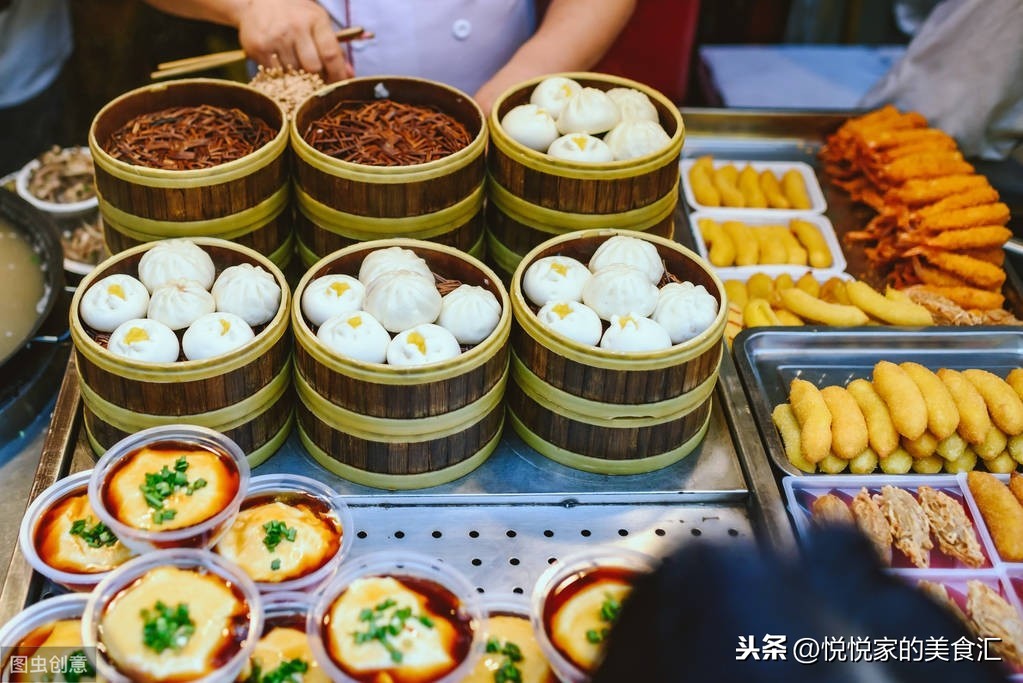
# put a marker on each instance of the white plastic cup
(182, 558)
(397, 565)
(68, 606)
(270, 484)
(577, 566)
(75, 484)
(205, 534)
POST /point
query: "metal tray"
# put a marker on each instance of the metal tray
(769, 359)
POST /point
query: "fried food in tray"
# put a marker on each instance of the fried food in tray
(1002, 514)
(873, 523)
(950, 526)
(938, 223)
(911, 532)
(906, 417)
(993, 617)
(939, 594)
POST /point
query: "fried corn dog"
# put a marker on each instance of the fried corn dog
(772, 251)
(902, 396)
(776, 199)
(810, 237)
(749, 185)
(1002, 513)
(1003, 404)
(721, 248)
(1015, 380)
(881, 433)
(736, 292)
(795, 189)
(809, 307)
(875, 304)
(701, 179)
(974, 421)
(848, 428)
(942, 414)
(814, 420)
(758, 313)
(797, 254)
(747, 249)
(788, 426)
(725, 181)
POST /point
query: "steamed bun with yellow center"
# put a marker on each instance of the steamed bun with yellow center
(421, 345)
(331, 295)
(619, 289)
(685, 310)
(390, 259)
(531, 126)
(590, 112)
(634, 138)
(179, 303)
(579, 147)
(144, 340)
(554, 93)
(356, 335)
(176, 260)
(401, 299)
(633, 104)
(215, 334)
(630, 251)
(633, 333)
(555, 278)
(112, 301)
(572, 319)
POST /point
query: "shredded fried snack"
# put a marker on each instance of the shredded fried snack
(873, 523)
(950, 526)
(909, 525)
(937, 592)
(993, 617)
(830, 509)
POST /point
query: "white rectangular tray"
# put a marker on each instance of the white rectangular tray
(813, 186)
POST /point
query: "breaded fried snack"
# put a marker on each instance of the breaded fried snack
(1002, 513)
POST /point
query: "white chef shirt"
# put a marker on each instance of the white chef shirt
(459, 42)
(35, 40)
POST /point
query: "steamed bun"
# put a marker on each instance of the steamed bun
(530, 125)
(554, 93)
(589, 112)
(577, 147)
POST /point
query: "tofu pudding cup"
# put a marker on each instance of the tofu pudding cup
(396, 617)
(173, 615)
(63, 539)
(174, 486)
(510, 646)
(284, 648)
(291, 533)
(53, 624)
(576, 602)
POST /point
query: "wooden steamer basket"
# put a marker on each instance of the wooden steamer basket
(244, 393)
(604, 411)
(402, 427)
(532, 197)
(245, 200)
(341, 203)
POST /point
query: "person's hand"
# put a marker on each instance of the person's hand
(293, 33)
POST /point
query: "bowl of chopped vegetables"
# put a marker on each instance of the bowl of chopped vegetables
(60, 182)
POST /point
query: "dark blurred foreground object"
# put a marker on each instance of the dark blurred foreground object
(684, 622)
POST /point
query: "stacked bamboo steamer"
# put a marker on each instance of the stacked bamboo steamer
(605, 411)
(246, 200)
(340, 203)
(402, 427)
(532, 197)
(245, 393)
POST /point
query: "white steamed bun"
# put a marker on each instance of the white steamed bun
(422, 344)
(356, 335)
(635, 138)
(685, 310)
(531, 126)
(331, 295)
(554, 93)
(632, 333)
(620, 290)
(248, 291)
(591, 112)
(470, 313)
(215, 334)
(572, 319)
(630, 251)
(176, 260)
(145, 340)
(392, 258)
(401, 299)
(554, 278)
(179, 303)
(112, 301)
(580, 147)
(633, 104)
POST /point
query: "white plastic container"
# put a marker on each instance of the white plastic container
(202, 535)
(399, 565)
(73, 485)
(813, 187)
(182, 558)
(59, 210)
(69, 606)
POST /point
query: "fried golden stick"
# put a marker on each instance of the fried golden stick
(875, 304)
(736, 292)
(725, 181)
(721, 250)
(925, 191)
(848, 427)
(942, 414)
(810, 237)
(1003, 404)
(974, 216)
(809, 307)
(797, 254)
(808, 283)
(903, 398)
(771, 188)
(970, 238)
(924, 165)
(967, 269)
(1002, 513)
(794, 187)
(758, 313)
(974, 421)
(1015, 380)
(814, 419)
(967, 297)
(881, 433)
(772, 251)
(747, 249)
(788, 426)
(977, 196)
(701, 180)
(749, 185)
(1016, 486)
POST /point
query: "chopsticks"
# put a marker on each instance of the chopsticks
(180, 67)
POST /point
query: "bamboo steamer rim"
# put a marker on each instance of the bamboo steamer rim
(388, 174)
(170, 179)
(602, 358)
(539, 161)
(186, 370)
(382, 373)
